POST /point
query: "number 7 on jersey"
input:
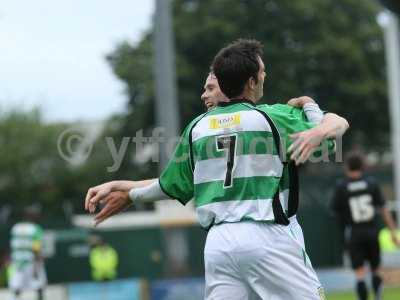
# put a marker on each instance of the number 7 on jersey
(228, 143)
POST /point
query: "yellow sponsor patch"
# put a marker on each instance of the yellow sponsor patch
(225, 121)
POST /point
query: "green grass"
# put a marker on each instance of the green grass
(389, 294)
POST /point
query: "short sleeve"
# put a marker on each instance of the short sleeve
(176, 180)
(38, 235)
(290, 120)
(37, 239)
(378, 199)
(288, 109)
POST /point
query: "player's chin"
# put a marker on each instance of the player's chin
(209, 105)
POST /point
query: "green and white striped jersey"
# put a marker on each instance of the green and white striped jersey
(25, 239)
(228, 161)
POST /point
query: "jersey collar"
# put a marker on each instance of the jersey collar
(236, 101)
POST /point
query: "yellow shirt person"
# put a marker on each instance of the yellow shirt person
(103, 260)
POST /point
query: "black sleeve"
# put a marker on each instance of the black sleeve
(379, 200)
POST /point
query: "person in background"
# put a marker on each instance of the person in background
(103, 260)
(357, 202)
(27, 270)
(4, 267)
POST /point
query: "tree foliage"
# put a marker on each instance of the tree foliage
(33, 169)
(330, 50)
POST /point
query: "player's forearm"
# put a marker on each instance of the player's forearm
(313, 113)
(387, 218)
(149, 193)
(333, 126)
(127, 185)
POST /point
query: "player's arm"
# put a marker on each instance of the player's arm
(386, 215)
(301, 138)
(388, 219)
(175, 182)
(118, 201)
(336, 125)
(306, 142)
(328, 126)
(333, 126)
(98, 193)
(309, 107)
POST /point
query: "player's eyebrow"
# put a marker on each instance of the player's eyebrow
(208, 85)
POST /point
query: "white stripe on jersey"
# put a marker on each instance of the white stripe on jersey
(21, 243)
(23, 229)
(250, 120)
(22, 255)
(357, 186)
(249, 165)
(228, 211)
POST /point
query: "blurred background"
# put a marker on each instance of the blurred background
(82, 82)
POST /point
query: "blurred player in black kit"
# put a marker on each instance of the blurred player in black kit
(357, 201)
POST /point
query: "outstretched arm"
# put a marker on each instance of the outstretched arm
(118, 201)
(118, 195)
(333, 124)
(307, 141)
(98, 193)
(388, 219)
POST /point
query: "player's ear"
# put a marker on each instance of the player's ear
(251, 83)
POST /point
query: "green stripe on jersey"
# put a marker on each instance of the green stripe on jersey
(249, 142)
(243, 189)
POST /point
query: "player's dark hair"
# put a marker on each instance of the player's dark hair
(235, 64)
(355, 162)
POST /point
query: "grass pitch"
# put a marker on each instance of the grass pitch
(388, 294)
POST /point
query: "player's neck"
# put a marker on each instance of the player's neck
(354, 174)
(248, 96)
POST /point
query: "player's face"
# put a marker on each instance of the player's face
(212, 93)
(260, 76)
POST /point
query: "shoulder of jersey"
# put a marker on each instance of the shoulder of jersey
(278, 108)
(196, 119)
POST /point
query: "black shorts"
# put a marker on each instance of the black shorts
(364, 247)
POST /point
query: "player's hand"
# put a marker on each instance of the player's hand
(300, 101)
(115, 203)
(96, 194)
(304, 144)
(395, 239)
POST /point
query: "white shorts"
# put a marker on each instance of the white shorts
(24, 278)
(254, 260)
